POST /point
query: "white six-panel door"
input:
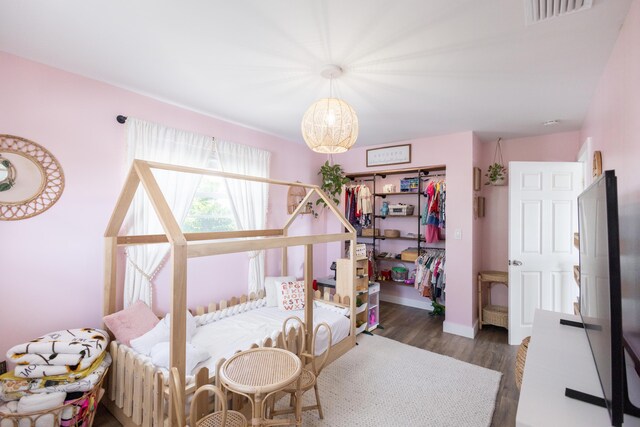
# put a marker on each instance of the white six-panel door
(542, 219)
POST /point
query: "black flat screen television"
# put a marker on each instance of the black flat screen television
(600, 288)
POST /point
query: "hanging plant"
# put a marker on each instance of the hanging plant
(497, 172)
(332, 181)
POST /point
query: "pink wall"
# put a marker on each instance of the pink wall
(454, 151)
(558, 147)
(613, 124)
(52, 264)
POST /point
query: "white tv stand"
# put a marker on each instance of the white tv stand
(559, 357)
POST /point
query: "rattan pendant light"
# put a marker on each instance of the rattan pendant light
(330, 125)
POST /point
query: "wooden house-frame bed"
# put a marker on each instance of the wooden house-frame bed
(137, 393)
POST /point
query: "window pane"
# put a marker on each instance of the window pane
(211, 208)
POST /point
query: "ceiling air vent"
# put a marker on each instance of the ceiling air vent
(541, 10)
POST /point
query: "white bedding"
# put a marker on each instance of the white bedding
(226, 331)
(224, 337)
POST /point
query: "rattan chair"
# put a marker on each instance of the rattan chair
(309, 377)
(221, 418)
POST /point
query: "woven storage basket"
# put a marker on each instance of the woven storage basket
(81, 412)
(368, 232)
(391, 233)
(495, 315)
(521, 357)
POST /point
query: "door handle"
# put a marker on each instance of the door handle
(515, 262)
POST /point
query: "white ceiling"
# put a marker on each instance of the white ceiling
(412, 67)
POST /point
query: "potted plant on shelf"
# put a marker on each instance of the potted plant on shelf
(332, 181)
(497, 172)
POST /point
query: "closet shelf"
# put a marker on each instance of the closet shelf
(415, 239)
(397, 216)
(383, 258)
(391, 282)
(398, 193)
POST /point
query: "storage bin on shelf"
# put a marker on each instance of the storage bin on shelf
(361, 251)
(361, 308)
(369, 232)
(391, 233)
(409, 255)
(399, 273)
(409, 185)
(401, 210)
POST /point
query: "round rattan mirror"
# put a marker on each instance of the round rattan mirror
(31, 179)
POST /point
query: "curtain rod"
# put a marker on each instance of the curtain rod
(123, 119)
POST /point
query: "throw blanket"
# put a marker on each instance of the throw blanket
(59, 353)
(13, 388)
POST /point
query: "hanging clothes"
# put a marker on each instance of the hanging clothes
(358, 205)
(430, 278)
(433, 214)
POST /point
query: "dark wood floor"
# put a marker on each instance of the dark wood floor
(417, 328)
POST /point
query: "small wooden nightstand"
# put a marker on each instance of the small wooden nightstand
(489, 314)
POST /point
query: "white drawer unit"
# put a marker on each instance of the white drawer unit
(373, 313)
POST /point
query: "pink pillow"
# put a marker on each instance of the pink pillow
(132, 322)
(291, 296)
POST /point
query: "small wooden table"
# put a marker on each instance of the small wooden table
(500, 312)
(257, 374)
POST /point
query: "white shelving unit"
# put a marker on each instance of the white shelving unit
(373, 314)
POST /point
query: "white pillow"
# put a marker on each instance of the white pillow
(272, 288)
(291, 296)
(191, 324)
(160, 355)
(161, 333)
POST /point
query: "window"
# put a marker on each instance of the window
(211, 208)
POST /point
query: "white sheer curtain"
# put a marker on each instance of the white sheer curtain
(248, 199)
(150, 141)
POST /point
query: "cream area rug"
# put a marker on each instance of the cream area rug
(384, 383)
